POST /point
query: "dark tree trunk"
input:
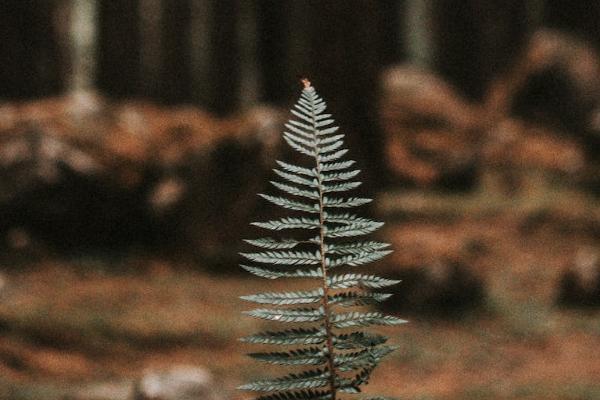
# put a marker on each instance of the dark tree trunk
(273, 50)
(346, 59)
(118, 71)
(31, 57)
(477, 40)
(224, 73)
(176, 72)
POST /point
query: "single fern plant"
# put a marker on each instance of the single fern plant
(324, 339)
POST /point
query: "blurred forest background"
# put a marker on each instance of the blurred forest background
(135, 134)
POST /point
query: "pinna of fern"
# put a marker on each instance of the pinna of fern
(324, 238)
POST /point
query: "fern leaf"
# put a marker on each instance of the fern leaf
(338, 166)
(344, 360)
(332, 147)
(285, 298)
(355, 318)
(290, 204)
(310, 194)
(289, 337)
(358, 340)
(353, 229)
(303, 114)
(366, 358)
(274, 274)
(322, 132)
(298, 147)
(289, 223)
(284, 257)
(288, 315)
(334, 156)
(293, 178)
(348, 299)
(310, 356)
(273, 244)
(341, 187)
(356, 248)
(339, 176)
(347, 281)
(305, 380)
(345, 203)
(298, 395)
(296, 169)
(354, 260)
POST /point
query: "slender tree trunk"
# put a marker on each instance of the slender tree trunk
(476, 40)
(176, 72)
(224, 73)
(82, 40)
(346, 60)
(150, 12)
(31, 63)
(118, 70)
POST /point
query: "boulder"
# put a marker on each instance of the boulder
(181, 382)
(579, 286)
(442, 289)
(80, 172)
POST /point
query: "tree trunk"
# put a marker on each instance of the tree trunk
(119, 47)
(31, 59)
(176, 72)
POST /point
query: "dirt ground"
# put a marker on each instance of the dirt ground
(67, 323)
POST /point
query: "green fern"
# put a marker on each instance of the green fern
(336, 359)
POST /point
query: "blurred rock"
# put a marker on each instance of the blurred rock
(118, 390)
(181, 382)
(79, 172)
(430, 131)
(580, 284)
(441, 289)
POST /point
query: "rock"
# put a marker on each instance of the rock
(80, 172)
(447, 288)
(430, 131)
(580, 284)
(118, 390)
(182, 382)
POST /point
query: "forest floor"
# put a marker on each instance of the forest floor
(65, 324)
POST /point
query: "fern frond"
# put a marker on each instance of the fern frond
(297, 179)
(344, 361)
(356, 248)
(358, 340)
(298, 395)
(338, 166)
(310, 356)
(336, 202)
(289, 337)
(275, 274)
(296, 169)
(339, 176)
(289, 223)
(273, 244)
(284, 257)
(295, 191)
(305, 380)
(288, 315)
(286, 298)
(348, 299)
(355, 318)
(354, 260)
(291, 204)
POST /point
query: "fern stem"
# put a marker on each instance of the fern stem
(322, 251)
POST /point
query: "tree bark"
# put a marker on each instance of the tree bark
(31, 59)
(118, 73)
